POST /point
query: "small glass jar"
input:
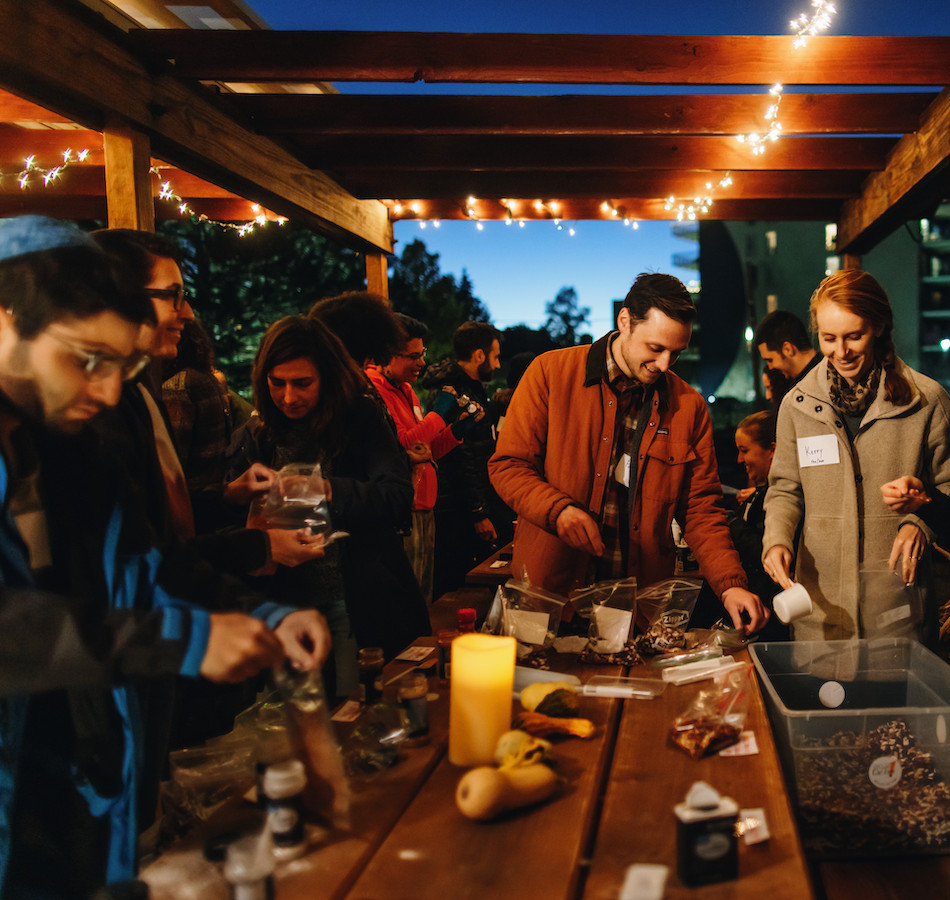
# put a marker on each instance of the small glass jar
(370, 661)
(413, 693)
(444, 638)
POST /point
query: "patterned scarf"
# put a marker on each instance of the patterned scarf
(853, 399)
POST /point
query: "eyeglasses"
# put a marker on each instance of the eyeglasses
(415, 357)
(177, 295)
(96, 365)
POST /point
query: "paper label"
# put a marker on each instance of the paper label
(414, 654)
(622, 472)
(897, 614)
(819, 450)
(885, 772)
(613, 628)
(527, 627)
(747, 746)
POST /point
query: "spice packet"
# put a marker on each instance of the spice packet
(714, 717)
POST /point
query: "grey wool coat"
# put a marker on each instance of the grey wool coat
(846, 526)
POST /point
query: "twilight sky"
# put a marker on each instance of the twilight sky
(515, 271)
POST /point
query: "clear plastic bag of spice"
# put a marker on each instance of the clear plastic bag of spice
(667, 606)
(327, 794)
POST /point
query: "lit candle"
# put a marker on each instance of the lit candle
(483, 674)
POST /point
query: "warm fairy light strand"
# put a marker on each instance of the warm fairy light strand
(31, 171)
(167, 192)
(804, 26)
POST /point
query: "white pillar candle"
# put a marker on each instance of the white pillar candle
(483, 674)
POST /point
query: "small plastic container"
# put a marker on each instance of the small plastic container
(284, 784)
(249, 868)
(624, 688)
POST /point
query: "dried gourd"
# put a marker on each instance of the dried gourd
(561, 703)
(485, 792)
(541, 725)
(518, 748)
(533, 694)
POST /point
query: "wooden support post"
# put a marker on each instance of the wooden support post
(128, 181)
(377, 277)
(850, 261)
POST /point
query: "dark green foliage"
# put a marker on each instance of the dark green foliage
(419, 289)
(243, 284)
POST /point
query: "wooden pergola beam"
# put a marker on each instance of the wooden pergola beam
(580, 209)
(63, 57)
(434, 57)
(618, 153)
(456, 184)
(916, 177)
(375, 115)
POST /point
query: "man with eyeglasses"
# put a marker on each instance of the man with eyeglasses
(604, 445)
(426, 438)
(83, 623)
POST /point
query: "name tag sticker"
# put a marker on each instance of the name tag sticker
(622, 471)
(820, 450)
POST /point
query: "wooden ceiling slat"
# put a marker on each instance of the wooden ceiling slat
(349, 114)
(592, 153)
(636, 208)
(456, 184)
(434, 57)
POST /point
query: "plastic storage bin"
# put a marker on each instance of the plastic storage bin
(861, 728)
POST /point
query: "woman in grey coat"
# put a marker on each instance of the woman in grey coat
(858, 419)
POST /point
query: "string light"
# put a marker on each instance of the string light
(167, 192)
(806, 27)
(31, 171)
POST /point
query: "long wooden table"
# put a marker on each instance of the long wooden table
(615, 809)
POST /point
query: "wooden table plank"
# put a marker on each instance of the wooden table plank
(329, 869)
(435, 852)
(494, 570)
(649, 775)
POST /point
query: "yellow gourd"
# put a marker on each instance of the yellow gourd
(486, 792)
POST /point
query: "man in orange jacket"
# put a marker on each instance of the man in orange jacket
(603, 446)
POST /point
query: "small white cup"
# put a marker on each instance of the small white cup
(792, 604)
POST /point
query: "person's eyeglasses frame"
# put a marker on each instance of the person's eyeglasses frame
(178, 296)
(96, 365)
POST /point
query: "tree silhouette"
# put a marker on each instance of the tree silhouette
(565, 317)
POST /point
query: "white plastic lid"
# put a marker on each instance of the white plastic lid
(284, 779)
(249, 858)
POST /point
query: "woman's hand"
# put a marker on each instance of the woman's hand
(254, 483)
(290, 547)
(904, 495)
(909, 546)
(744, 494)
(777, 563)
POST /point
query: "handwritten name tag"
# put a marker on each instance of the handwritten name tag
(820, 450)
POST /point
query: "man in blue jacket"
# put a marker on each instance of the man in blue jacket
(82, 619)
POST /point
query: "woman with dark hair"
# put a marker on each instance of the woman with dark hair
(860, 418)
(312, 407)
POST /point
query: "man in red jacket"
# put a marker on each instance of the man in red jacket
(426, 438)
(604, 445)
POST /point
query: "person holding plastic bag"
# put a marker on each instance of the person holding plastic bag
(312, 408)
(860, 418)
